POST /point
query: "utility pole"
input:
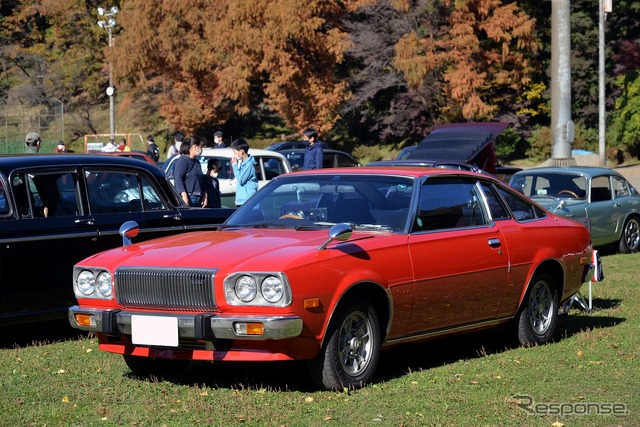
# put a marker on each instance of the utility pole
(561, 125)
(605, 7)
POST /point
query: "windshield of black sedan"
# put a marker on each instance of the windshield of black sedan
(375, 201)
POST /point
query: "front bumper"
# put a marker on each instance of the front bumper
(206, 327)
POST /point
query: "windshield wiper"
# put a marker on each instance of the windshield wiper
(314, 226)
(268, 225)
(376, 227)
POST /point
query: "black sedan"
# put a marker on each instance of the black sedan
(58, 209)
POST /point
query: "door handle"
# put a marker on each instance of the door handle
(177, 217)
(494, 243)
(85, 222)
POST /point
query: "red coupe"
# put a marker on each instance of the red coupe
(332, 266)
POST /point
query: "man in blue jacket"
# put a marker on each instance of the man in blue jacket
(313, 152)
(244, 169)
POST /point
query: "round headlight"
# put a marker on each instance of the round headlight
(86, 282)
(272, 289)
(103, 283)
(246, 288)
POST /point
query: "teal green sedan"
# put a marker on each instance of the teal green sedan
(599, 197)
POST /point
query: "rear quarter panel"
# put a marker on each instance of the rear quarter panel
(530, 244)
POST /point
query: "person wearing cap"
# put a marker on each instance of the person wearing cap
(32, 143)
(152, 149)
(60, 148)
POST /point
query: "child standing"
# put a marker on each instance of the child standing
(212, 185)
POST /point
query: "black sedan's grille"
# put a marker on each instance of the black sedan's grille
(165, 288)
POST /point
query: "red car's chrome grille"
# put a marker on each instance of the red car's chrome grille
(165, 288)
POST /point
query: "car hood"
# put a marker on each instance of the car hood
(224, 249)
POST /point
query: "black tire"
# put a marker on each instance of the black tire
(538, 315)
(147, 367)
(630, 238)
(350, 354)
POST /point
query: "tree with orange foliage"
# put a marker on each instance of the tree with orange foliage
(207, 60)
(484, 58)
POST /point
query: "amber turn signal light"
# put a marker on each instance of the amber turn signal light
(249, 328)
(311, 303)
(83, 319)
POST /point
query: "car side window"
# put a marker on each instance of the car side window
(327, 160)
(620, 187)
(496, 207)
(600, 189)
(272, 167)
(4, 200)
(115, 191)
(44, 195)
(150, 198)
(343, 161)
(522, 209)
(448, 204)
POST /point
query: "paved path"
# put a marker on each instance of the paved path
(632, 173)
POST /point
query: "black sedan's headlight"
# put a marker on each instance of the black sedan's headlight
(258, 289)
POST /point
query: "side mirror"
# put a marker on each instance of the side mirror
(341, 232)
(128, 230)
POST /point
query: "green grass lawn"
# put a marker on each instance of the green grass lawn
(471, 380)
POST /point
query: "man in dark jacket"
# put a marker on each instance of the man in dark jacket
(313, 152)
(152, 149)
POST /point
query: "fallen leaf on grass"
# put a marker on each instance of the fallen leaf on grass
(308, 399)
(65, 399)
(557, 424)
(61, 371)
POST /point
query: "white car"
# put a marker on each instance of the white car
(269, 164)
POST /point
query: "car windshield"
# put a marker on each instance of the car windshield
(560, 185)
(372, 202)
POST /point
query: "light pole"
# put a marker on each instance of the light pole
(109, 22)
(561, 125)
(604, 8)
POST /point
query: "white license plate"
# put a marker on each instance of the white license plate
(154, 330)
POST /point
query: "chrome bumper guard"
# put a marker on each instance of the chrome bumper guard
(207, 327)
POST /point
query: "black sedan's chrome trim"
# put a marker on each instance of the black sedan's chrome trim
(42, 237)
